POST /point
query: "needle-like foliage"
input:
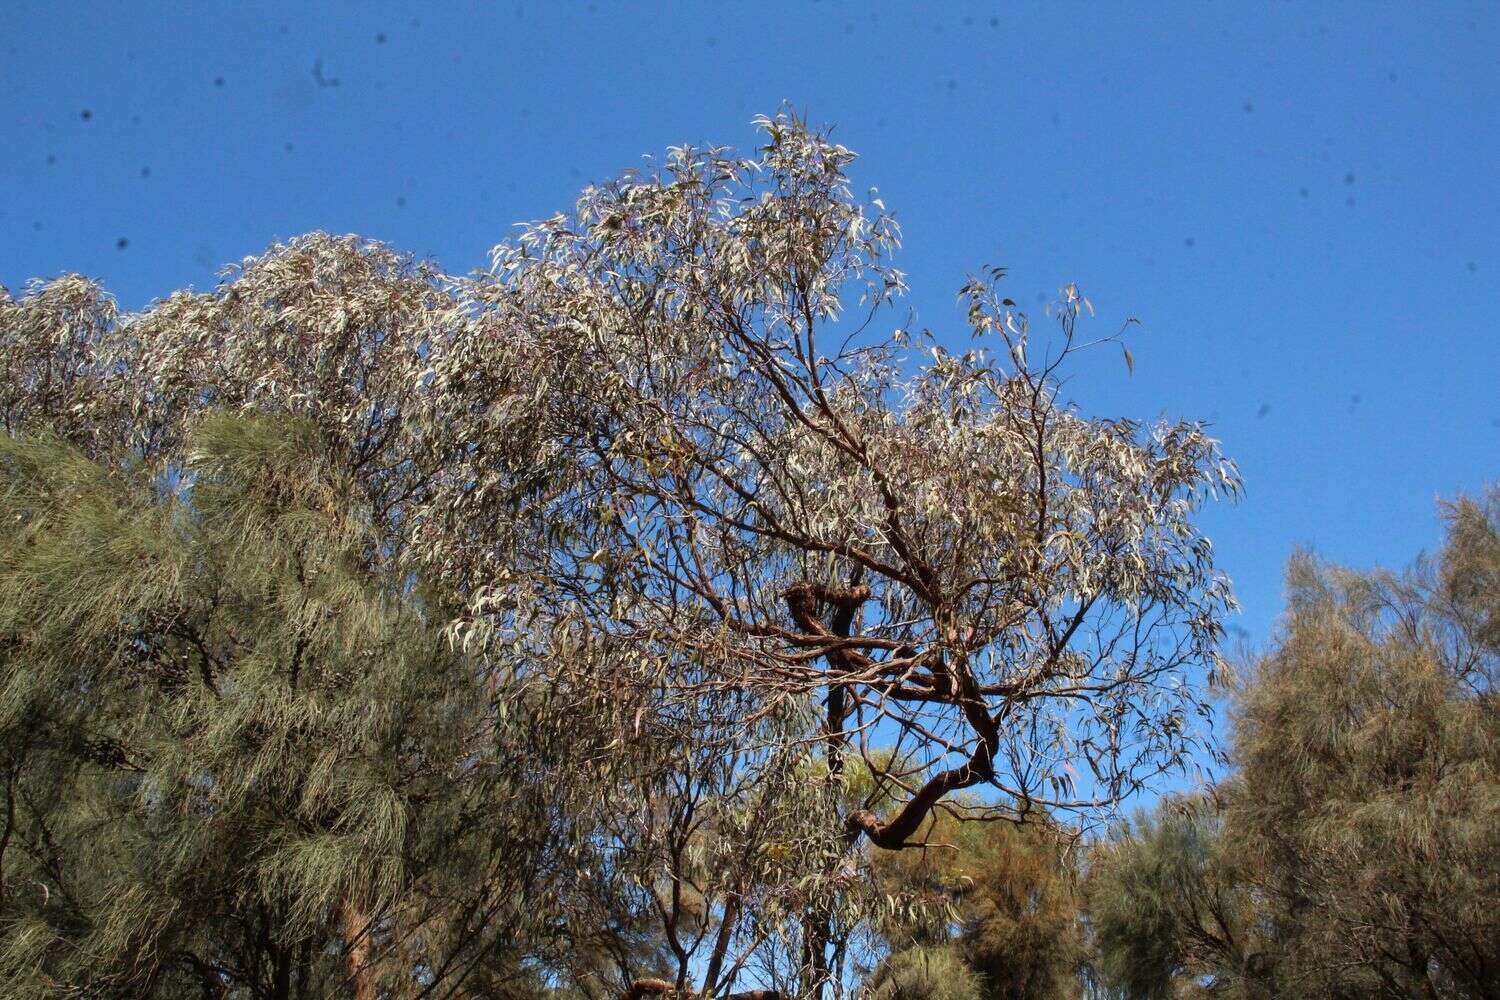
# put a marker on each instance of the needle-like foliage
(1353, 851)
(1369, 781)
(236, 760)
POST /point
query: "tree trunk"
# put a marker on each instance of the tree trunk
(354, 927)
(816, 932)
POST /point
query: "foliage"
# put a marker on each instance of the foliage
(999, 897)
(925, 973)
(1170, 908)
(1369, 784)
(231, 752)
(631, 619)
(630, 552)
(1353, 851)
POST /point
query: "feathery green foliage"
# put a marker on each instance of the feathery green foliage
(232, 752)
(926, 972)
(1369, 780)
(1353, 852)
(999, 897)
(1169, 908)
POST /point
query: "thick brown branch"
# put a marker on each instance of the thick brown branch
(802, 600)
(896, 832)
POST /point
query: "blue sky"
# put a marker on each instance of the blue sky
(1298, 201)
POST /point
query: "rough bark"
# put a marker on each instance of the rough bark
(354, 927)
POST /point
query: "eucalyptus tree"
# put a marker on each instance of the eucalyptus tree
(935, 547)
(952, 548)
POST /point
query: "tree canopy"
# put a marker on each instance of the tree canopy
(653, 613)
(1352, 852)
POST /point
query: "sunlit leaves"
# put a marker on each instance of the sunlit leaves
(661, 469)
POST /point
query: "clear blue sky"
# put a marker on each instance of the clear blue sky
(1299, 201)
